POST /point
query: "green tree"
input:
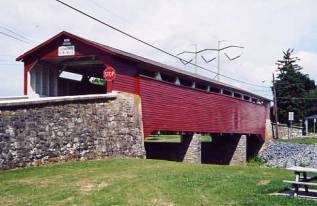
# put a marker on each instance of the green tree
(292, 87)
(311, 99)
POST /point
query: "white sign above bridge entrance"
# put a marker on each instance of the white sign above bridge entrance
(290, 116)
(66, 50)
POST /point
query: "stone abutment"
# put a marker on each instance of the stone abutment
(54, 129)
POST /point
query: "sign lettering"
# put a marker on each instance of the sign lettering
(109, 74)
(66, 50)
(291, 116)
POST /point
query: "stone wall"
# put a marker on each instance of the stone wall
(285, 132)
(34, 132)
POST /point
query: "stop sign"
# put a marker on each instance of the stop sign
(109, 74)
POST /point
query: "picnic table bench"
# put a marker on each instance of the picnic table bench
(302, 180)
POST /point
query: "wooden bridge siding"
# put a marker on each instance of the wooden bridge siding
(126, 76)
(126, 83)
(167, 107)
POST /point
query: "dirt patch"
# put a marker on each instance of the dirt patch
(162, 202)
(88, 186)
(103, 185)
(37, 182)
(263, 182)
(66, 201)
(8, 200)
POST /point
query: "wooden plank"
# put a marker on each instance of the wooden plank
(300, 183)
(302, 169)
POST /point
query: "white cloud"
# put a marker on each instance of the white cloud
(11, 79)
(265, 28)
(309, 63)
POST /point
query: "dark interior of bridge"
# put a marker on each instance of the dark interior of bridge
(67, 76)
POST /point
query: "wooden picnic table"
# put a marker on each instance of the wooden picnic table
(301, 178)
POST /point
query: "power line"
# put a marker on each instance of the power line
(6, 55)
(17, 34)
(109, 11)
(9, 64)
(312, 98)
(151, 45)
(13, 37)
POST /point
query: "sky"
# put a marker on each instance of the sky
(265, 28)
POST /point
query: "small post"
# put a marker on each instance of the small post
(208, 88)
(291, 125)
(109, 74)
(306, 126)
(275, 108)
(109, 87)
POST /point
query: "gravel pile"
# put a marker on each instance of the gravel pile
(281, 154)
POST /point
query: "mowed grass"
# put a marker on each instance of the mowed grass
(143, 182)
(173, 138)
(306, 140)
(163, 138)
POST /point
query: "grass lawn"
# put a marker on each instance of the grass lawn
(143, 182)
(306, 140)
(163, 138)
(173, 138)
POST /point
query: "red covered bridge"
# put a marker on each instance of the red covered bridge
(173, 100)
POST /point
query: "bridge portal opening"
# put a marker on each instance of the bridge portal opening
(67, 76)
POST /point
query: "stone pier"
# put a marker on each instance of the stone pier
(239, 156)
(193, 144)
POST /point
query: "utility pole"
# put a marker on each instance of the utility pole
(219, 50)
(195, 58)
(275, 108)
(218, 62)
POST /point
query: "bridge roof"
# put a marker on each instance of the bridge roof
(136, 58)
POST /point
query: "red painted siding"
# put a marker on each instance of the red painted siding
(125, 83)
(167, 107)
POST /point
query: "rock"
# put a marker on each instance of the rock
(281, 154)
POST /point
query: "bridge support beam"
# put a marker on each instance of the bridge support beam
(193, 144)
